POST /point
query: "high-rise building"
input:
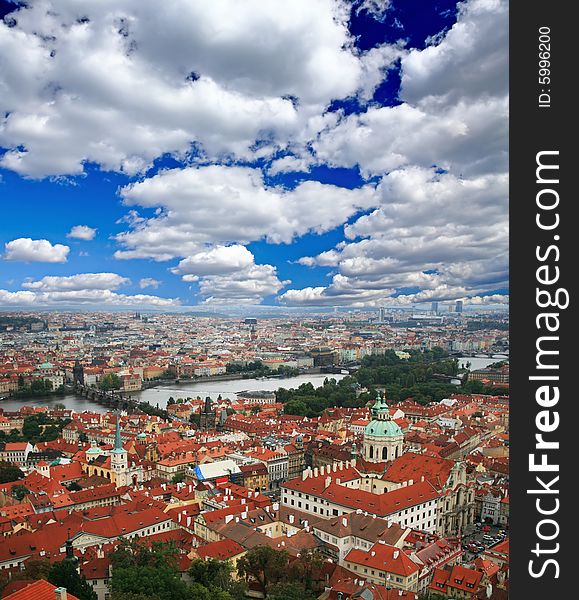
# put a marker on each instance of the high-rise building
(434, 308)
(458, 305)
(381, 315)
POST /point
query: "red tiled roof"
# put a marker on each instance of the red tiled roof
(39, 590)
(384, 558)
(221, 550)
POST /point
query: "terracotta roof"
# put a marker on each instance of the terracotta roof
(384, 558)
(39, 590)
(221, 550)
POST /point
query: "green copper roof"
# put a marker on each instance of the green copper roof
(118, 442)
(386, 428)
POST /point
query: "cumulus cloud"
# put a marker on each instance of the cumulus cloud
(146, 282)
(29, 250)
(219, 204)
(248, 286)
(82, 232)
(82, 281)
(228, 274)
(454, 106)
(77, 76)
(216, 261)
(421, 236)
(88, 298)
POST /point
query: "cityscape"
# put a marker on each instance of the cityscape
(370, 447)
(254, 300)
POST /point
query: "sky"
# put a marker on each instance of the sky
(313, 153)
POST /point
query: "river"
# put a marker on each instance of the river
(160, 394)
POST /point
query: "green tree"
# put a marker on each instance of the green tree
(59, 406)
(19, 492)
(290, 590)
(264, 565)
(178, 478)
(9, 472)
(217, 576)
(31, 427)
(64, 574)
(138, 569)
(110, 381)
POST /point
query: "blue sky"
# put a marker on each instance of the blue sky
(327, 154)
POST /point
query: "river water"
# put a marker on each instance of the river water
(160, 394)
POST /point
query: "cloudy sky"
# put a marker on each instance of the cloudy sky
(303, 153)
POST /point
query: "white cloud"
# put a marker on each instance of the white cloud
(248, 286)
(86, 298)
(228, 274)
(29, 250)
(82, 281)
(445, 236)
(76, 77)
(146, 282)
(82, 232)
(471, 61)
(375, 8)
(83, 289)
(220, 260)
(218, 205)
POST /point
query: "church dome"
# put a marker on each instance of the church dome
(382, 424)
(386, 428)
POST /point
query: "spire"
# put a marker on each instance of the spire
(118, 442)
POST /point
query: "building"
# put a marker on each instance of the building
(254, 476)
(383, 438)
(208, 415)
(385, 565)
(456, 582)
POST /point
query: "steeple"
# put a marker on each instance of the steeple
(118, 441)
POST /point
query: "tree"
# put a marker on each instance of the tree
(64, 574)
(138, 569)
(59, 406)
(289, 590)
(19, 492)
(9, 472)
(110, 381)
(263, 564)
(35, 569)
(178, 478)
(83, 437)
(31, 428)
(217, 575)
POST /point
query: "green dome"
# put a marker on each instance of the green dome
(382, 424)
(387, 428)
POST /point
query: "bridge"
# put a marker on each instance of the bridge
(109, 398)
(498, 356)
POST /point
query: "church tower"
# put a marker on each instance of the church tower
(383, 438)
(119, 458)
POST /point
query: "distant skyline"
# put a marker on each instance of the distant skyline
(312, 154)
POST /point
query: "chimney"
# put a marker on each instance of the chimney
(327, 481)
(316, 472)
(395, 554)
(373, 553)
(345, 522)
(60, 593)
